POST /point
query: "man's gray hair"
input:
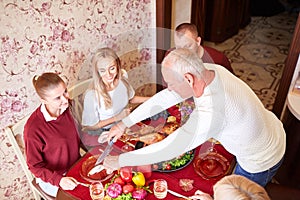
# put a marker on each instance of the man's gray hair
(183, 61)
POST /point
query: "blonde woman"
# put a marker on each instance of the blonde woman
(107, 101)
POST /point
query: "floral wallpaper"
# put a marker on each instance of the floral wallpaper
(61, 35)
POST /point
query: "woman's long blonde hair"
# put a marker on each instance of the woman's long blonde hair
(98, 84)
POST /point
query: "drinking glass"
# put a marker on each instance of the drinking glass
(96, 191)
(160, 188)
(213, 142)
(127, 147)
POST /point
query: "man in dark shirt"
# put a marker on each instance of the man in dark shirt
(186, 36)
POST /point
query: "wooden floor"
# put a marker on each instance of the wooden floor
(258, 53)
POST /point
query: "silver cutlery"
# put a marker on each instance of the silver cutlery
(97, 167)
(178, 195)
(80, 183)
(105, 152)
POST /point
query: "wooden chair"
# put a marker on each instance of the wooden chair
(15, 136)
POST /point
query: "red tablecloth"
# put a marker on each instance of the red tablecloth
(172, 178)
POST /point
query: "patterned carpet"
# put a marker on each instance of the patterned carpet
(258, 53)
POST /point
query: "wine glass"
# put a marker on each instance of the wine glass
(207, 163)
(127, 146)
(160, 188)
(207, 148)
(96, 190)
(212, 145)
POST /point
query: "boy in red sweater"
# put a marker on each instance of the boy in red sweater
(51, 138)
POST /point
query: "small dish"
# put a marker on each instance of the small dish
(87, 165)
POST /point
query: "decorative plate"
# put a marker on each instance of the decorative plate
(87, 165)
(211, 165)
(175, 164)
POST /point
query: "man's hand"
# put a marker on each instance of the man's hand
(111, 163)
(116, 131)
(67, 183)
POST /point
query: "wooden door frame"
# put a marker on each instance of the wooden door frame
(290, 65)
(198, 16)
(163, 42)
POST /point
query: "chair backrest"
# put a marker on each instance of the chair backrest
(76, 93)
(15, 136)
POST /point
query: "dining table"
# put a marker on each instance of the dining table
(172, 176)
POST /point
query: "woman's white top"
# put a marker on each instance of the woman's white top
(228, 111)
(93, 112)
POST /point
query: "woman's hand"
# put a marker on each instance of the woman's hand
(84, 128)
(122, 114)
(116, 131)
(67, 183)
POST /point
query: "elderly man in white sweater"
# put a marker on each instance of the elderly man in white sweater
(226, 109)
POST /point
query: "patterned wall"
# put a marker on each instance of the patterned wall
(60, 35)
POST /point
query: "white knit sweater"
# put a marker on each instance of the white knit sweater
(228, 111)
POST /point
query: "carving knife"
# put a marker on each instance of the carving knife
(105, 152)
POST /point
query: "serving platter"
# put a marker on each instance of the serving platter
(175, 164)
